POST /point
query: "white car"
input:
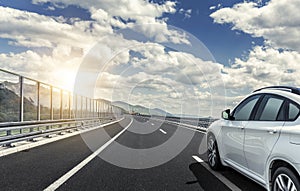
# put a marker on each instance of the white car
(260, 138)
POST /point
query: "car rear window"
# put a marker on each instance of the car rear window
(293, 112)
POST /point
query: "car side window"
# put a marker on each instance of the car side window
(293, 112)
(271, 109)
(244, 110)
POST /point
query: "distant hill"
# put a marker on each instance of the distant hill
(141, 109)
(10, 106)
(104, 101)
(30, 91)
(109, 103)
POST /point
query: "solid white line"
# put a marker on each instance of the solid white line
(163, 131)
(198, 159)
(69, 174)
(222, 178)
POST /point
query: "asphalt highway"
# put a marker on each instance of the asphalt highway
(137, 153)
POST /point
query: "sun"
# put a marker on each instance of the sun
(66, 79)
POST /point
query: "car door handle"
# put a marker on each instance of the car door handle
(272, 131)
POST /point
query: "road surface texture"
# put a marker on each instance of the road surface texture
(44, 166)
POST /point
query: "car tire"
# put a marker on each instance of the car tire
(285, 179)
(213, 153)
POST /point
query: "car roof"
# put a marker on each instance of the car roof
(282, 91)
(283, 88)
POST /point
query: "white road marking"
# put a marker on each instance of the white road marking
(198, 159)
(194, 128)
(163, 131)
(69, 174)
(152, 124)
(179, 125)
(218, 175)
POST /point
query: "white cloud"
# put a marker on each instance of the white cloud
(276, 61)
(33, 30)
(152, 73)
(264, 67)
(187, 13)
(212, 7)
(177, 78)
(108, 81)
(143, 16)
(42, 67)
(104, 19)
(127, 9)
(51, 8)
(182, 66)
(173, 77)
(175, 95)
(215, 7)
(278, 21)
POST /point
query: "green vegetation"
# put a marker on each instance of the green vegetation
(9, 105)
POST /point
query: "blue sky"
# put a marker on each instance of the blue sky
(224, 43)
(196, 57)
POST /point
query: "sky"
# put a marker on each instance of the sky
(186, 57)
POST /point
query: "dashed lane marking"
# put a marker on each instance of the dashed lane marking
(164, 132)
(198, 159)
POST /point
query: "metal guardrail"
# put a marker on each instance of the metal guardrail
(30, 109)
(39, 101)
(200, 124)
(31, 131)
(197, 122)
(203, 123)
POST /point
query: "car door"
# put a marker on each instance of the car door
(233, 132)
(262, 133)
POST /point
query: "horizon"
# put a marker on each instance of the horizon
(167, 113)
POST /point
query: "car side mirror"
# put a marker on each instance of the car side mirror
(226, 115)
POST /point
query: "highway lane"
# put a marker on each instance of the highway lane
(180, 173)
(37, 168)
(173, 175)
(41, 166)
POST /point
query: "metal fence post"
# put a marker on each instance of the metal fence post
(38, 117)
(51, 102)
(21, 114)
(86, 106)
(92, 107)
(69, 109)
(61, 105)
(76, 109)
(81, 107)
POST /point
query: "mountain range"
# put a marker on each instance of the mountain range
(141, 109)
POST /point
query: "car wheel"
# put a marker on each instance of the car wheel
(285, 180)
(213, 153)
